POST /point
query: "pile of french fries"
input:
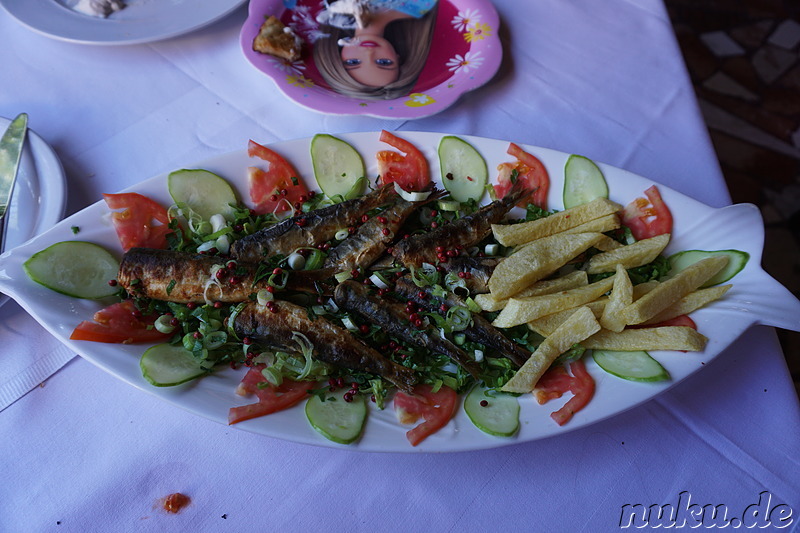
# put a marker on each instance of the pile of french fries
(536, 286)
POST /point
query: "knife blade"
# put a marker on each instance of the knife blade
(10, 153)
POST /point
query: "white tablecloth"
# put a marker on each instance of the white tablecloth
(86, 452)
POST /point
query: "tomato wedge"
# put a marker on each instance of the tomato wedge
(141, 223)
(271, 399)
(436, 408)
(120, 323)
(409, 170)
(277, 189)
(556, 381)
(649, 217)
(530, 173)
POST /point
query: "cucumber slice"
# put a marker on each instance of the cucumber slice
(76, 268)
(464, 171)
(499, 416)
(633, 366)
(204, 192)
(167, 365)
(583, 182)
(736, 262)
(336, 419)
(338, 167)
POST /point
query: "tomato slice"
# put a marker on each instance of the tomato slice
(649, 217)
(436, 408)
(277, 189)
(556, 381)
(530, 173)
(409, 169)
(120, 323)
(271, 399)
(141, 223)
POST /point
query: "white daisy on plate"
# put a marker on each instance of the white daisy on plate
(466, 19)
(469, 61)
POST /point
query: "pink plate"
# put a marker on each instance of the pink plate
(465, 53)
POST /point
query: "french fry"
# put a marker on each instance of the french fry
(515, 234)
(672, 290)
(537, 261)
(621, 297)
(691, 302)
(598, 225)
(658, 338)
(578, 327)
(576, 278)
(631, 256)
(522, 310)
(546, 325)
(607, 244)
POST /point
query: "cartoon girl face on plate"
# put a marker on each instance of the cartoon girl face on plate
(371, 60)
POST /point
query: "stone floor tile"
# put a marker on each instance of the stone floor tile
(750, 121)
(786, 35)
(770, 62)
(724, 84)
(740, 68)
(721, 44)
(751, 36)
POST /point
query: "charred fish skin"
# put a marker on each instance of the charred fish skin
(374, 236)
(390, 317)
(182, 277)
(332, 344)
(465, 232)
(308, 229)
(479, 269)
(480, 331)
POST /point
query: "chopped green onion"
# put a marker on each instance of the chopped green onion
(215, 339)
(342, 234)
(264, 296)
(343, 276)
(458, 317)
(217, 222)
(349, 324)
(223, 244)
(162, 324)
(296, 261)
(315, 260)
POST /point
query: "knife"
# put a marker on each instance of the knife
(10, 152)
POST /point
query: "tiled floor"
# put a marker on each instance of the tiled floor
(744, 60)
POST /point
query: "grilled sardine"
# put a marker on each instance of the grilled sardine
(464, 232)
(374, 236)
(182, 277)
(392, 318)
(309, 229)
(481, 330)
(332, 344)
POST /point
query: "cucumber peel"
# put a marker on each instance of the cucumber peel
(495, 413)
(583, 181)
(205, 193)
(336, 419)
(737, 260)
(167, 365)
(633, 365)
(76, 268)
(338, 167)
(464, 170)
